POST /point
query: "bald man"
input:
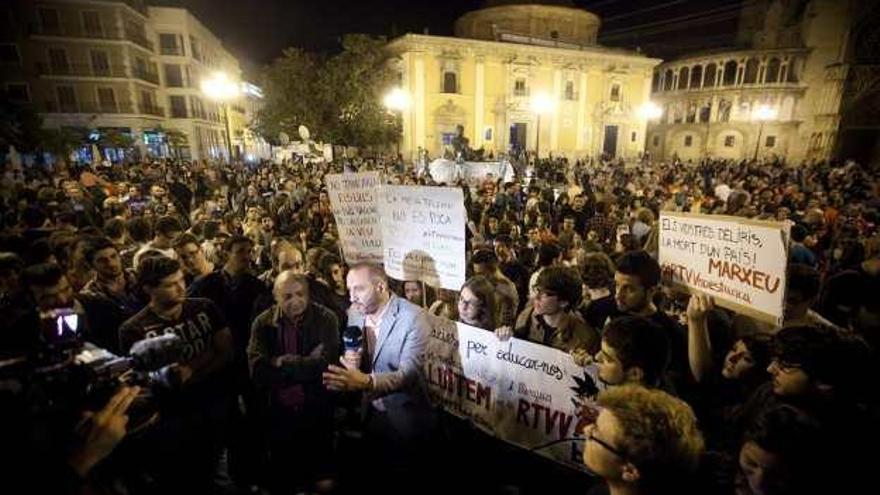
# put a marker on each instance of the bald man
(290, 347)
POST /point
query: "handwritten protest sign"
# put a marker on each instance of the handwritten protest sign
(738, 261)
(523, 393)
(423, 234)
(353, 199)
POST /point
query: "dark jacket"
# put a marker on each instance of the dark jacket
(319, 327)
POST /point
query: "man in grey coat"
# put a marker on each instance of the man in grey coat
(398, 414)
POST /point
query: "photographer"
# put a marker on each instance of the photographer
(181, 451)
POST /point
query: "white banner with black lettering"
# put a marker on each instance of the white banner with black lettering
(526, 394)
(423, 234)
(354, 202)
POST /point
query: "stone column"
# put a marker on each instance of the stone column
(419, 101)
(479, 102)
(554, 119)
(582, 111)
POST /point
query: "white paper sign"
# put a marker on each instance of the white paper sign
(354, 201)
(423, 234)
(526, 394)
(738, 261)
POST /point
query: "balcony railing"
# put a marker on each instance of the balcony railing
(87, 107)
(521, 92)
(73, 30)
(139, 39)
(171, 50)
(150, 109)
(79, 70)
(178, 112)
(144, 75)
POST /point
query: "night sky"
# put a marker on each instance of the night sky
(256, 31)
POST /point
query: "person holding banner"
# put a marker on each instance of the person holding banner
(553, 320)
(476, 303)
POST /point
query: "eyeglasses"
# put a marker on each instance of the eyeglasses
(590, 430)
(469, 303)
(784, 366)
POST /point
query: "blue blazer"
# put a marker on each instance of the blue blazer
(398, 364)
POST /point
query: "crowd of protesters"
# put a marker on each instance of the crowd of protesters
(243, 263)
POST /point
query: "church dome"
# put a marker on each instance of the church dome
(511, 20)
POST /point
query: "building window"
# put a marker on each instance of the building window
(9, 54)
(178, 106)
(450, 82)
(107, 100)
(100, 63)
(729, 141)
(194, 48)
(58, 61)
(569, 91)
(66, 98)
(519, 87)
(148, 103)
(633, 139)
(169, 44)
(18, 92)
(92, 24)
(50, 21)
(688, 141)
(770, 142)
(173, 76)
(656, 141)
(615, 92)
(198, 111)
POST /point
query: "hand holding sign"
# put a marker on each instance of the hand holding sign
(699, 307)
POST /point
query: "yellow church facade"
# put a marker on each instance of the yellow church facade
(523, 77)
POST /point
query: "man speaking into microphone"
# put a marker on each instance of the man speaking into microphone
(398, 416)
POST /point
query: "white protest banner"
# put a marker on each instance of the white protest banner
(423, 234)
(740, 262)
(354, 201)
(523, 393)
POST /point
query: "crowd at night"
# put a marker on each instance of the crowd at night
(243, 263)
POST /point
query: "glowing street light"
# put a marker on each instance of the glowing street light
(397, 100)
(762, 114)
(541, 103)
(650, 111)
(221, 89)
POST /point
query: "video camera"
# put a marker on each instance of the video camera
(66, 375)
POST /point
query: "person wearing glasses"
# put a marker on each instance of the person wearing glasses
(476, 303)
(643, 442)
(553, 320)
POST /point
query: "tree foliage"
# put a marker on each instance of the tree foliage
(338, 97)
(20, 125)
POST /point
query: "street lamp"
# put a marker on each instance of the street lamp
(221, 89)
(762, 114)
(397, 100)
(541, 103)
(650, 111)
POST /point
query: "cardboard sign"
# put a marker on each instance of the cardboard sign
(423, 234)
(354, 202)
(740, 262)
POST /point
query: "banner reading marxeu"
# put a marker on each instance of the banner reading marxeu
(526, 394)
(740, 262)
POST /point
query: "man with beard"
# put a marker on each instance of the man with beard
(111, 297)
